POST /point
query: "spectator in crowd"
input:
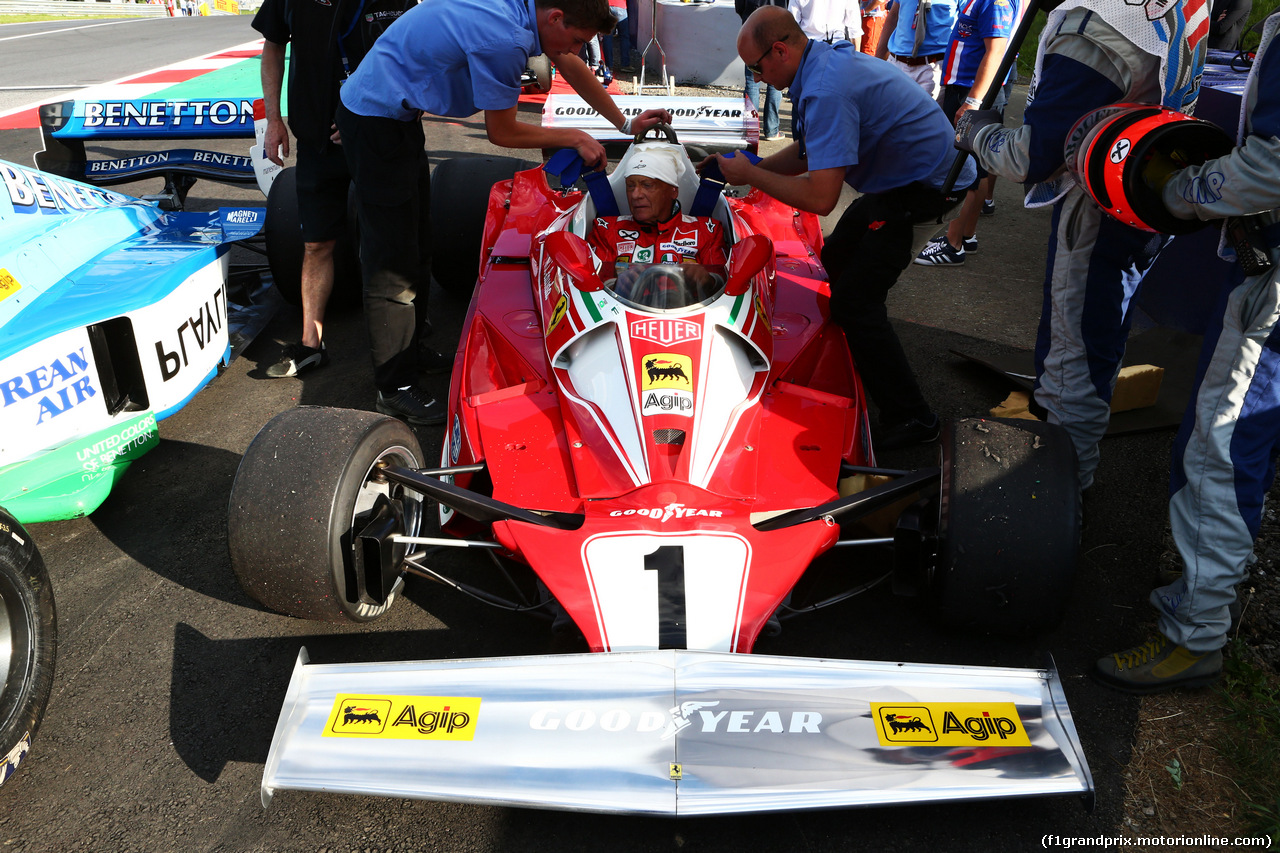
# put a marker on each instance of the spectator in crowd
(860, 122)
(621, 37)
(317, 68)
(1088, 57)
(978, 43)
(449, 58)
(770, 110)
(828, 20)
(873, 13)
(1227, 23)
(915, 37)
(1225, 452)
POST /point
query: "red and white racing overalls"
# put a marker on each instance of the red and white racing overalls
(681, 239)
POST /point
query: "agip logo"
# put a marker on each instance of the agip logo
(667, 370)
(949, 724)
(403, 717)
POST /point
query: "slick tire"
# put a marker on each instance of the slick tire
(302, 492)
(459, 202)
(28, 642)
(1009, 526)
(283, 234)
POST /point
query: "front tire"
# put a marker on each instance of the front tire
(304, 489)
(1009, 525)
(28, 642)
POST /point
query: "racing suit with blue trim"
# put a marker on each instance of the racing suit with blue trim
(1095, 263)
(1224, 455)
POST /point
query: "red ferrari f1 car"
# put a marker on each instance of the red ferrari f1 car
(662, 453)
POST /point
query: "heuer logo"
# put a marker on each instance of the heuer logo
(949, 724)
(666, 332)
(708, 720)
(668, 512)
(667, 402)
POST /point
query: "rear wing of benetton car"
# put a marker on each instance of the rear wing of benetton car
(675, 733)
(66, 127)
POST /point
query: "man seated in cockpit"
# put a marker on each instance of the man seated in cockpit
(641, 250)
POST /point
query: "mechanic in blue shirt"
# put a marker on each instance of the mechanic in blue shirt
(918, 50)
(449, 58)
(856, 121)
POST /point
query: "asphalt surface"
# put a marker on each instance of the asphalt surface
(170, 678)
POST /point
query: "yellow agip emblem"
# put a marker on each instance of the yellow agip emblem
(950, 724)
(403, 717)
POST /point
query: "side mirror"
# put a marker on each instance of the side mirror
(748, 258)
(571, 254)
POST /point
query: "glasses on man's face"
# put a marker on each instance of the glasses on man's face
(754, 67)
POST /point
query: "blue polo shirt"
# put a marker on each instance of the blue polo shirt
(977, 21)
(941, 17)
(446, 58)
(853, 110)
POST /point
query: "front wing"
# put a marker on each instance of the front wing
(675, 732)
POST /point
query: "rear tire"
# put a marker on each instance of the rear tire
(300, 495)
(1009, 525)
(459, 202)
(283, 234)
(28, 642)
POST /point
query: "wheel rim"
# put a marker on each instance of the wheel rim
(15, 642)
(372, 489)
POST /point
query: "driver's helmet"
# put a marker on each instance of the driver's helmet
(1123, 154)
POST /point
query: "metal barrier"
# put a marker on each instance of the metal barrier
(82, 9)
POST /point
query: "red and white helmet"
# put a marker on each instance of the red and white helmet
(1120, 154)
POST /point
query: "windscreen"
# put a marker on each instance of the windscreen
(666, 287)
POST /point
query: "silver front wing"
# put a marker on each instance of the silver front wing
(675, 732)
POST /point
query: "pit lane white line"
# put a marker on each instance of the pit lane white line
(71, 29)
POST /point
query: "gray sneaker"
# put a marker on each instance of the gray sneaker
(1158, 665)
(297, 359)
(412, 405)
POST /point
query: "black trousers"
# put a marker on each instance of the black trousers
(390, 172)
(864, 255)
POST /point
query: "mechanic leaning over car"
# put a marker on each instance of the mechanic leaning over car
(1224, 454)
(449, 58)
(329, 40)
(1092, 53)
(859, 121)
(655, 232)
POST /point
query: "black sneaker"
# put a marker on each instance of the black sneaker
(432, 363)
(907, 433)
(988, 207)
(969, 244)
(297, 360)
(940, 253)
(412, 405)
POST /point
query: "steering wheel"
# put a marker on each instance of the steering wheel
(665, 129)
